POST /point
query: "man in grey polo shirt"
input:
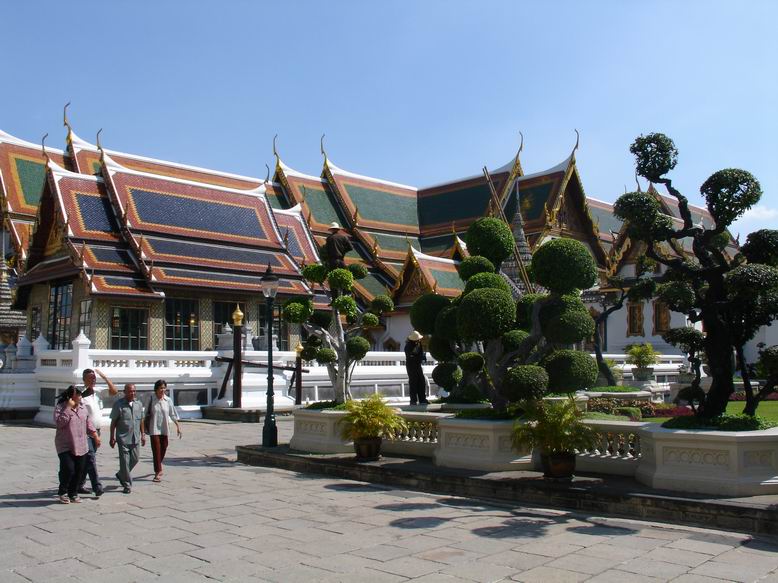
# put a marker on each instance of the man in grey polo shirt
(127, 430)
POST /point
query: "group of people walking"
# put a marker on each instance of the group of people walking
(77, 416)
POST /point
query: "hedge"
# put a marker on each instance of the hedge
(563, 265)
(485, 313)
(424, 311)
(570, 370)
(525, 382)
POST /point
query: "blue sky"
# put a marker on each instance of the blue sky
(414, 92)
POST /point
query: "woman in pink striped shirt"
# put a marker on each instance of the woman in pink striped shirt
(73, 425)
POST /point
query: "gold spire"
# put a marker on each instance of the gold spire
(321, 143)
(43, 147)
(577, 140)
(66, 122)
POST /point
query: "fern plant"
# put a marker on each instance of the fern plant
(553, 427)
(370, 418)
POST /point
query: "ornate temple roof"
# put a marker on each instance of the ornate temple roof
(423, 274)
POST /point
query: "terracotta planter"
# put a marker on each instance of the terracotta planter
(558, 466)
(368, 449)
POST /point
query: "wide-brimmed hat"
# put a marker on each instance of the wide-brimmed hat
(333, 226)
(415, 336)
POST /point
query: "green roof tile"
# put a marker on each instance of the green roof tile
(377, 205)
(32, 176)
(447, 279)
(453, 205)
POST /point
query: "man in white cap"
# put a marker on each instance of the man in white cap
(336, 246)
(414, 357)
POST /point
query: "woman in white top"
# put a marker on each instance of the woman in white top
(158, 416)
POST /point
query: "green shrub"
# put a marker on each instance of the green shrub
(322, 318)
(564, 265)
(326, 356)
(309, 352)
(642, 355)
(473, 265)
(762, 247)
(319, 405)
(483, 280)
(569, 327)
(345, 305)
(440, 349)
(613, 389)
(570, 370)
(722, 423)
(485, 313)
(298, 310)
(491, 238)
(447, 375)
(446, 323)
(316, 272)
(424, 311)
(370, 320)
(340, 279)
(655, 155)
(370, 418)
(357, 347)
(381, 304)
(465, 395)
(525, 382)
(524, 307)
(633, 413)
(605, 416)
(358, 270)
(471, 362)
(729, 193)
(512, 340)
(605, 405)
(490, 414)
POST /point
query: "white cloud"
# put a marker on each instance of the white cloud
(758, 217)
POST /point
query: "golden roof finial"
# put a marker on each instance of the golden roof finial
(521, 145)
(275, 152)
(99, 145)
(638, 182)
(267, 175)
(65, 120)
(321, 143)
(43, 147)
(577, 141)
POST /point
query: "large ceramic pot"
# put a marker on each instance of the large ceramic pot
(558, 466)
(643, 374)
(368, 449)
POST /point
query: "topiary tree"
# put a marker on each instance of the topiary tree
(491, 344)
(731, 295)
(333, 343)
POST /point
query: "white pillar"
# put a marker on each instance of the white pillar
(81, 351)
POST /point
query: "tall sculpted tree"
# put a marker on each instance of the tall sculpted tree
(506, 351)
(731, 296)
(336, 336)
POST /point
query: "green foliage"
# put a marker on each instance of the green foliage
(512, 340)
(643, 214)
(446, 323)
(643, 289)
(570, 370)
(381, 304)
(687, 339)
(424, 311)
(563, 265)
(524, 306)
(358, 270)
(309, 352)
(357, 347)
(369, 320)
(525, 382)
(491, 238)
(768, 361)
(565, 320)
(316, 272)
(642, 355)
(762, 247)
(298, 310)
(722, 423)
(473, 265)
(340, 279)
(447, 375)
(485, 313)
(346, 305)
(370, 417)
(326, 356)
(465, 395)
(644, 265)
(750, 280)
(609, 406)
(729, 193)
(440, 349)
(678, 295)
(633, 413)
(490, 414)
(322, 318)
(613, 389)
(320, 405)
(553, 427)
(471, 362)
(483, 280)
(655, 155)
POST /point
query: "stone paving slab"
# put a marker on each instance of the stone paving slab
(213, 519)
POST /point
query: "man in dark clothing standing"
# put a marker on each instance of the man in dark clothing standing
(414, 357)
(336, 246)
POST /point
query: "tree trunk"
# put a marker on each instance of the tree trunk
(718, 349)
(752, 400)
(602, 366)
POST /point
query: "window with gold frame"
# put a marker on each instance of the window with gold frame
(635, 319)
(661, 318)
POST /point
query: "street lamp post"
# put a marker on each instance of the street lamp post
(269, 289)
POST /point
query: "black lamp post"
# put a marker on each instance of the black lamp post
(269, 289)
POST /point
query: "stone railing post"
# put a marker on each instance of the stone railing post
(39, 345)
(81, 351)
(25, 361)
(10, 357)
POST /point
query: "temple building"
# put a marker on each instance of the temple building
(144, 254)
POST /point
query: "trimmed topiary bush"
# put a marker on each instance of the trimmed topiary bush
(525, 382)
(346, 305)
(326, 356)
(471, 361)
(316, 272)
(473, 265)
(321, 318)
(491, 238)
(357, 347)
(370, 320)
(569, 327)
(381, 304)
(358, 270)
(563, 265)
(447, 375)
(440, 349)
(424, 311)
(524, 306)
(570, 371)
(513, 339)
(340, 279)
(485, 313)
(446, 323)
(729, 193)
(297, 310)
(309, 352)
(482, 280)
(762, 247)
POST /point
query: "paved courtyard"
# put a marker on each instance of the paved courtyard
(213, 519)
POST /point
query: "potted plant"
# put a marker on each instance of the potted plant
(641, 357)
(556, 430)
(366, 422)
